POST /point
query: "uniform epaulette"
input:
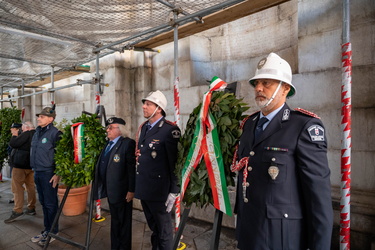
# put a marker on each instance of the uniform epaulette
(170, 122)
(306, 112)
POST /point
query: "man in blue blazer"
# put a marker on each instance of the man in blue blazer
(115, 179)
(156, 181)
(283, 194)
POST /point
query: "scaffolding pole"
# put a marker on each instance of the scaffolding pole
(346, 109)
(176, 90)
(2, 97)
(52, 85)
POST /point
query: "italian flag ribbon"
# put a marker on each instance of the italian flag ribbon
(206, 144)
(77, 130)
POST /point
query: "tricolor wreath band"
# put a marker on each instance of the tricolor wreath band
(206, 144)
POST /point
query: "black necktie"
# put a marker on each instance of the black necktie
(148, 127)
(108, 148)
(259, 127)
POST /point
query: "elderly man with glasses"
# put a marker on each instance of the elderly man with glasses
(115, 179)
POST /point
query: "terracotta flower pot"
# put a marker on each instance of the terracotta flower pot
(75, 203)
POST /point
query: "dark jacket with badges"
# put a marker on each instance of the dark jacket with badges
(43, 147)
(293, 210)
(156, 164)
(119, 176)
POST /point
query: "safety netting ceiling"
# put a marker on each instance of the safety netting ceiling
(38, 36)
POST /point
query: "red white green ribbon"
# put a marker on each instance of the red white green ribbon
(77, 130)
(206, 144)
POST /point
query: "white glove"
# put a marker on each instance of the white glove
(170, 201)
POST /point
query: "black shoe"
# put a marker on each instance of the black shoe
(11, 201)
(30, 211)
(13, 217)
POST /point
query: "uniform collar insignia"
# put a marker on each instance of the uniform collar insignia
(286, 114)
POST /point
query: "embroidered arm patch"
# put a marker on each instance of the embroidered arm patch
(176, 133)
(316, 133)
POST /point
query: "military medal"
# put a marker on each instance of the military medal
(273, 171)
(153, 154)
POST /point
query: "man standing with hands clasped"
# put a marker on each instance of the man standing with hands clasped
(42, 161)
(115, 179)
(156, 181)
(283, 191)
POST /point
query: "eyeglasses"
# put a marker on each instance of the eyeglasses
(109, 127)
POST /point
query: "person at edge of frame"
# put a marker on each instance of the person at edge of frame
(155, 178)
(22, 172)
(115, 179)
(283, 198)
(15, 128)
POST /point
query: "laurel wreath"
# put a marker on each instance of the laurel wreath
(79, 174)
(228, 112)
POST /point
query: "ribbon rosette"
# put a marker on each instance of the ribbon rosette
(206, 144)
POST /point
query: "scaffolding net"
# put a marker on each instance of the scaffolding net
(36, 35)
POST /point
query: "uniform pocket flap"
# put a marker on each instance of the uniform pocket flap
(284, 211)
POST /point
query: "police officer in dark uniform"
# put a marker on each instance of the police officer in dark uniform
(156, 182)
(115, 179)
(283, 194)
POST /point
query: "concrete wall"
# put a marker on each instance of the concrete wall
(307, 33)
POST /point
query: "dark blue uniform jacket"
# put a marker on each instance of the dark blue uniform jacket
(120, 172)
(294, 210)
(155, 175)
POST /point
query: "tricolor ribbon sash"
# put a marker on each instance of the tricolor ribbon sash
(78, 141)
(206, 144)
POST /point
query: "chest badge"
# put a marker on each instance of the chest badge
(116, 158)
(44, 140)
(154, 154)
(273, 171)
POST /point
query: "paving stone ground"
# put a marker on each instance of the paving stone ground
(16, 235)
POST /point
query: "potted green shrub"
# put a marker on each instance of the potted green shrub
(78, 176)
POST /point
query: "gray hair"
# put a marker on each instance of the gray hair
(29, 125)
(122, 129)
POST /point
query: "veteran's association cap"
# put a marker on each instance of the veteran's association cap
(116, 120)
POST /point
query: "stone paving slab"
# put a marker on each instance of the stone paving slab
(16, 235)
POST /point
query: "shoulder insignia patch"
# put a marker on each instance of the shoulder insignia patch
(176, 133)
(316, 133)
(303, 111)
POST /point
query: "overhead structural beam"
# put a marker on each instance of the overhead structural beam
(177, 21)
(43, 35)
(23, 59)
(173, 7)
(38, 33)
(78, 83)
(213, 20)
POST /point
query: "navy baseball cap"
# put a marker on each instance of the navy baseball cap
(16, 125)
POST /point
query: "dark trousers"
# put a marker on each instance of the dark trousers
(47, 198)
(121, 225)
(160, 223)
